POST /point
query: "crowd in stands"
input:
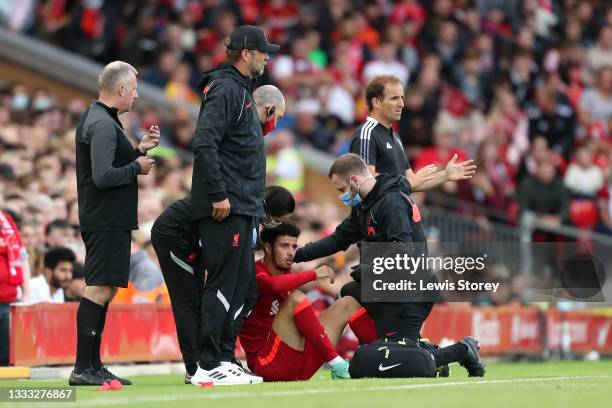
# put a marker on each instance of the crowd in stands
(522, 86)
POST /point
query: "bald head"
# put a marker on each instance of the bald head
(267, 96)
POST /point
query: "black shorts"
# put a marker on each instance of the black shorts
(107, 258)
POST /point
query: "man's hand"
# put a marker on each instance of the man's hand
(221, 209)
(149, 140)
(146, 164)
(424, 174)
(459, 171)
(324, 272)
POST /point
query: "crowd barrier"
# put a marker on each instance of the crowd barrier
(45, 334)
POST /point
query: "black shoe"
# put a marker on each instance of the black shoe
(87, 377)
(108, 376)
(473, 364)
(443, 371)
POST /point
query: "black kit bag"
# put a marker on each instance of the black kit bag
(392, 359)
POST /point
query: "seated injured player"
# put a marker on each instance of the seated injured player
(283, 339)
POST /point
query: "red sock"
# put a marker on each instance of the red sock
(363, 326)
(310, 327)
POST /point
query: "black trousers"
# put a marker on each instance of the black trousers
(185, 283)
(227, 256)
(393, 320)
(228, 345)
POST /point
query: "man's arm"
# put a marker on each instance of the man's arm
(284, 283)
(214, 120)
(103, 146)
(346, 233)
(433, 179)
(454, 172)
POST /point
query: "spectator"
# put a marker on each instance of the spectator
(538, 151)
(59, 233)
(307, 128)
(48, 169)
(284, 165)
(595, 110)
(598, 56)
(583, 178)
(76, 288)
(522, 76)
(160, 74)
(447, 47)
(544, 195)
(386, 63)
(56, 277)
(508, 124)
(296, 72)
(472, 80)
(493, 184)
(553, 118)
(178, 89)
(14, 277)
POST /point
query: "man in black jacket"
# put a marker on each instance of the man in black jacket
(382, 211)
(107, 167)
(227, 192)
(174, 239)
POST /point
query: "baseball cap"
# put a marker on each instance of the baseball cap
(248, 37)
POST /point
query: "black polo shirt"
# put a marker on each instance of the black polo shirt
(380, 147)
(106, 171)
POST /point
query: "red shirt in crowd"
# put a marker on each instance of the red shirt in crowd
(8, 290)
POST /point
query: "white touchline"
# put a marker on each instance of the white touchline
(207, 395)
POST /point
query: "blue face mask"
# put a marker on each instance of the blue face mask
(351, 201)
(20, 101)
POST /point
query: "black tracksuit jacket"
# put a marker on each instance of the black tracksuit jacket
(230, 159)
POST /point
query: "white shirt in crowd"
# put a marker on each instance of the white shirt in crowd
(41, 292)
(586, 181)
(379, 67)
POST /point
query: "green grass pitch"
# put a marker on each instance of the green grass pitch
(553, 384)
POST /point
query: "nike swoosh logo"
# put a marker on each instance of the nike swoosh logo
(381, 368)
(249, 105)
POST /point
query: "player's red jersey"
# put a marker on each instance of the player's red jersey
(273, 291)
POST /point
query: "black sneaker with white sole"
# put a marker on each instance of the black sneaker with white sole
(473, 364)
(188, 378)
(86, 377)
